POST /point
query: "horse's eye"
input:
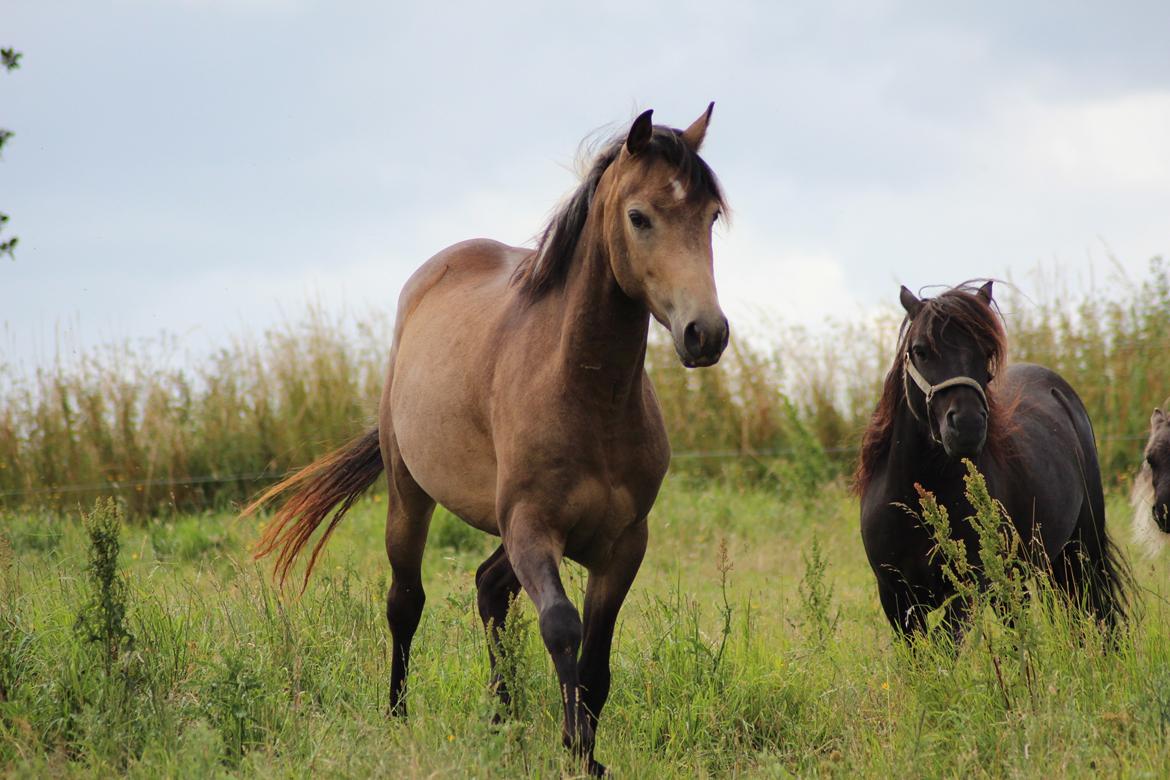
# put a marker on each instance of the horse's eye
(639, 220)
(919, 352)
(715, 217)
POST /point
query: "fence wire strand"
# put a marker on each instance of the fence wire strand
(257, 476)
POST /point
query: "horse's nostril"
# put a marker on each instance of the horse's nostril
(693, 339)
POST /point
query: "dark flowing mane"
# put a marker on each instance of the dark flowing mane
(964, 307)
(547, 267)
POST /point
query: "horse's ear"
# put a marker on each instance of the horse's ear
(640, 132)
(1156, 419)
(693, 136)
(985, 291)
(910, 302)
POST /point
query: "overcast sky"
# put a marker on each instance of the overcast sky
(200, 167)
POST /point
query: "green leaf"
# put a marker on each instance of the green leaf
(10, 58)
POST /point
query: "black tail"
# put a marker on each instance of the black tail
(1108, 581)
(1105, 579)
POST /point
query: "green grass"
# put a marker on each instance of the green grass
(768, 659)
(168, 433)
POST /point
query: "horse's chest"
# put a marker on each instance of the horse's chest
(901, 546)
(604, 499)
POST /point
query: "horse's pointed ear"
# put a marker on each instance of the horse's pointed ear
(1156, 419)
(910, 302)
(985, 291)
(693, 136)
(640, 132)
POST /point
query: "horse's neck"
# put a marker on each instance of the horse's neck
(603, 331)
(914, 458)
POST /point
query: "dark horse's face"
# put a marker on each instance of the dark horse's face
(953, 367)
(1158, 459)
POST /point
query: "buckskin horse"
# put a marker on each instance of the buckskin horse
(517, 398)
(1151, 489)
(947, 397)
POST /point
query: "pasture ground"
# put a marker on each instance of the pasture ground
(752, 645)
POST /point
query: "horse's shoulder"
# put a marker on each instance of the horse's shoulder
(879, 502)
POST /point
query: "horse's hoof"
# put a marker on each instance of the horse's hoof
(597, 769)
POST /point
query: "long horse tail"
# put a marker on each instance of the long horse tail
(1108, 583)
(335, 480)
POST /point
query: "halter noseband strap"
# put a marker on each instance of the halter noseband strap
(931, 390)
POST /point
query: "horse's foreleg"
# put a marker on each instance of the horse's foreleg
(535, 554)
(604, 595)
(906, 613)
(496, 586)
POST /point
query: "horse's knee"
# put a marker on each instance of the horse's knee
(560, 627)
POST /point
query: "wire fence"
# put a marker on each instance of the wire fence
(264, 476)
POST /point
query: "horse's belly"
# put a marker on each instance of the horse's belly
(460, 477)
(437, 416)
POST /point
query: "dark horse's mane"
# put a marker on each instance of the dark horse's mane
(547, 267)
(969, 310)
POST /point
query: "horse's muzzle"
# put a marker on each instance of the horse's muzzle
(703, 341)
(964, 433)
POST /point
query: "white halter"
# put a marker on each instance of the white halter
(931, 390)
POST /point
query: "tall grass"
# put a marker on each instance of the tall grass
(786, 406)
(1113, 348)
(118, 420)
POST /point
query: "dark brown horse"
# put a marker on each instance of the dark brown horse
(1151, 489)
(517, 398)
(949, 396)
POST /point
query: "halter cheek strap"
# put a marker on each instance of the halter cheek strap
(931, 390)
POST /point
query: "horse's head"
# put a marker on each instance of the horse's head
(1158, 460)
(951, 346)
(659, 201)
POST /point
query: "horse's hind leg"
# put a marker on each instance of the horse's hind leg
(408, 517)
(496, 587)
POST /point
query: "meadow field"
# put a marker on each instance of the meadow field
(752, 645)
(137, 636)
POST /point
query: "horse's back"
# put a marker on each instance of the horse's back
(1050, 470)
(479, 265)
(1046, 406)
